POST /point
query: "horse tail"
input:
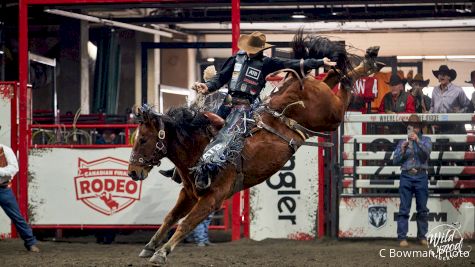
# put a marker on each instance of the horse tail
(320, 47)
(298, 45)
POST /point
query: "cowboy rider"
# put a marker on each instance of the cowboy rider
(245, 74)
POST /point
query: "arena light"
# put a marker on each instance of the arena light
(298, 15)
(107, 22)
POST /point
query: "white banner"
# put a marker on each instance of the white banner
(5, 135)
(377, 216)
(91, 187)
(285, 206)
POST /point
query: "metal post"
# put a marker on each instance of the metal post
(23, 106)
(321, 191)
(144, 63)
(334, 185)
(236, 213)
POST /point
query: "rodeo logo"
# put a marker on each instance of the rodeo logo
(104, 185)
(377, 216)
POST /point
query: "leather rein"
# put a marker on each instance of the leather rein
(159, 148)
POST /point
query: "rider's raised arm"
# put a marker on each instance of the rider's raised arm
(223, 76)
(272, 64)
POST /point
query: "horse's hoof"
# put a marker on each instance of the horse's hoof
(146, 253)
(159, 257)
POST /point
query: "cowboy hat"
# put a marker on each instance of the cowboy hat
(443, 69)
(472, 77)
(253, 43)
(418, 79)
(395, 80)
(413, 120)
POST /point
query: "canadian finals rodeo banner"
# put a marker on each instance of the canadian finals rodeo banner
(91, 187)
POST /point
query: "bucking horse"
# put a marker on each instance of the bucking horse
(301, 107)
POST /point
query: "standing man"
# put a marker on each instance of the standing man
(413, 155)
(422, 102)
(472, 82)
(8, 169)
(448, 98)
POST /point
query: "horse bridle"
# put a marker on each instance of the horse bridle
(159, 148)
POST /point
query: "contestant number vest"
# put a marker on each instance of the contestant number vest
(246, 75)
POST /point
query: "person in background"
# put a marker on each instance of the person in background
(398, 100)
(422, 102)
(108, 137)
(448, 98)
(8, 169)
(413, 155)
(472, 82)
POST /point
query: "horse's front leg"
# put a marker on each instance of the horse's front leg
(182, 207)
(209, 202)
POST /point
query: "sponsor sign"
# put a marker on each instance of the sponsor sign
(380, 218)
(285, 206)
(91, 187)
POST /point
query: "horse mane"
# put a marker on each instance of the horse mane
(318, 47)
(187, 120)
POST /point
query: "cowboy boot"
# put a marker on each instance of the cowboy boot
(171, 173)
(167, 173)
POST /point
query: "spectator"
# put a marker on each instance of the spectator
(448, 98)
(200, 234)
(107, 137)
(397, 101)
(8, 169)
(413, 155)
(422, 102)
(472, 82)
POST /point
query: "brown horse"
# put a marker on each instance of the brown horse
(182, 134)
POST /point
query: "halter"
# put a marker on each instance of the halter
(159, 147)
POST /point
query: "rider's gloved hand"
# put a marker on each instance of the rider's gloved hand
(328, 62)
(201, 88)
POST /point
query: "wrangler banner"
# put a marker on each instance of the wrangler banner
(285, 206)
(91, 187)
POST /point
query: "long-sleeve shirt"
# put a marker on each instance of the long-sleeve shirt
(451, 100)
(416, 157)
(12, 168)
(270, 64)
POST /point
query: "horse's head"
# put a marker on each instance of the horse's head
(151, 142)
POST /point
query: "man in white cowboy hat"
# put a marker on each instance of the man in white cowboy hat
(245, 75)
(422, 102)
(448, 98)
(472, 82)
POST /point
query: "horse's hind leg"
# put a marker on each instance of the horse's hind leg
(182, 207)
(205, 205)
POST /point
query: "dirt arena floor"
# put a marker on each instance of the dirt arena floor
(271, 252)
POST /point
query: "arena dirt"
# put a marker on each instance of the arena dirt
(272, 252)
